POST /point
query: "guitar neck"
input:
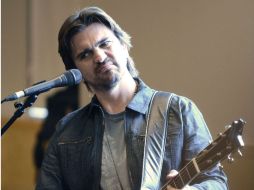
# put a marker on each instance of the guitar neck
(184, 177)
(223, 146)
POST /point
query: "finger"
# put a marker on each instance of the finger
(172, 174)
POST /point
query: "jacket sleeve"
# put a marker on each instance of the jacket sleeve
(196, 137)
(50, 174)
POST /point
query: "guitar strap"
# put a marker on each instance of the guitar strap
(156, 132)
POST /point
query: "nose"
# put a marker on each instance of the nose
(99, 55)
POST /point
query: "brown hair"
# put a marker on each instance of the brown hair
(78, 22)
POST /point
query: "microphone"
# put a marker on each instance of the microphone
(69, 78)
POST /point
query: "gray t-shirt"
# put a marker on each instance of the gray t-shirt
(114, 170)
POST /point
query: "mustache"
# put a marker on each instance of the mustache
(105, 61)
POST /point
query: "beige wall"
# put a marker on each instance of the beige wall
(200, 49)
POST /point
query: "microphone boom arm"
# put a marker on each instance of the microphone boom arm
(19, 112)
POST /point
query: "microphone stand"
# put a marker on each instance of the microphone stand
(20, 110)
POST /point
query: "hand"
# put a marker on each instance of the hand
(172, 174)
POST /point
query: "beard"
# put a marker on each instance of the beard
(105, 80)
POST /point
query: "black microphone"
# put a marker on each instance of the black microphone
(69, 78)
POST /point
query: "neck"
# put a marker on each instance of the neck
(115, 100)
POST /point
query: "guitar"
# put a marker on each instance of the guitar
(218, 150)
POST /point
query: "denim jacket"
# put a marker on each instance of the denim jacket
(73, 159)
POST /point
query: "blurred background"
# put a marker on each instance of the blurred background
(200, 49)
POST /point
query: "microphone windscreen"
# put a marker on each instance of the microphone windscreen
(73, 77)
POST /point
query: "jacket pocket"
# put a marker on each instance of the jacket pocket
(75, 160)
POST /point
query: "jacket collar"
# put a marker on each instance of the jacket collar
(140, 101)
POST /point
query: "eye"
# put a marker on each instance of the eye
(106, 44)
(85, 55)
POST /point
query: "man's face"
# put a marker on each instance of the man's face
(100, 56)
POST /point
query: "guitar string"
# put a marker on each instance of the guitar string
(178, 180)
(203, 161)
(184, 172)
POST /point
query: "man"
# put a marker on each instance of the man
(102, 145)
